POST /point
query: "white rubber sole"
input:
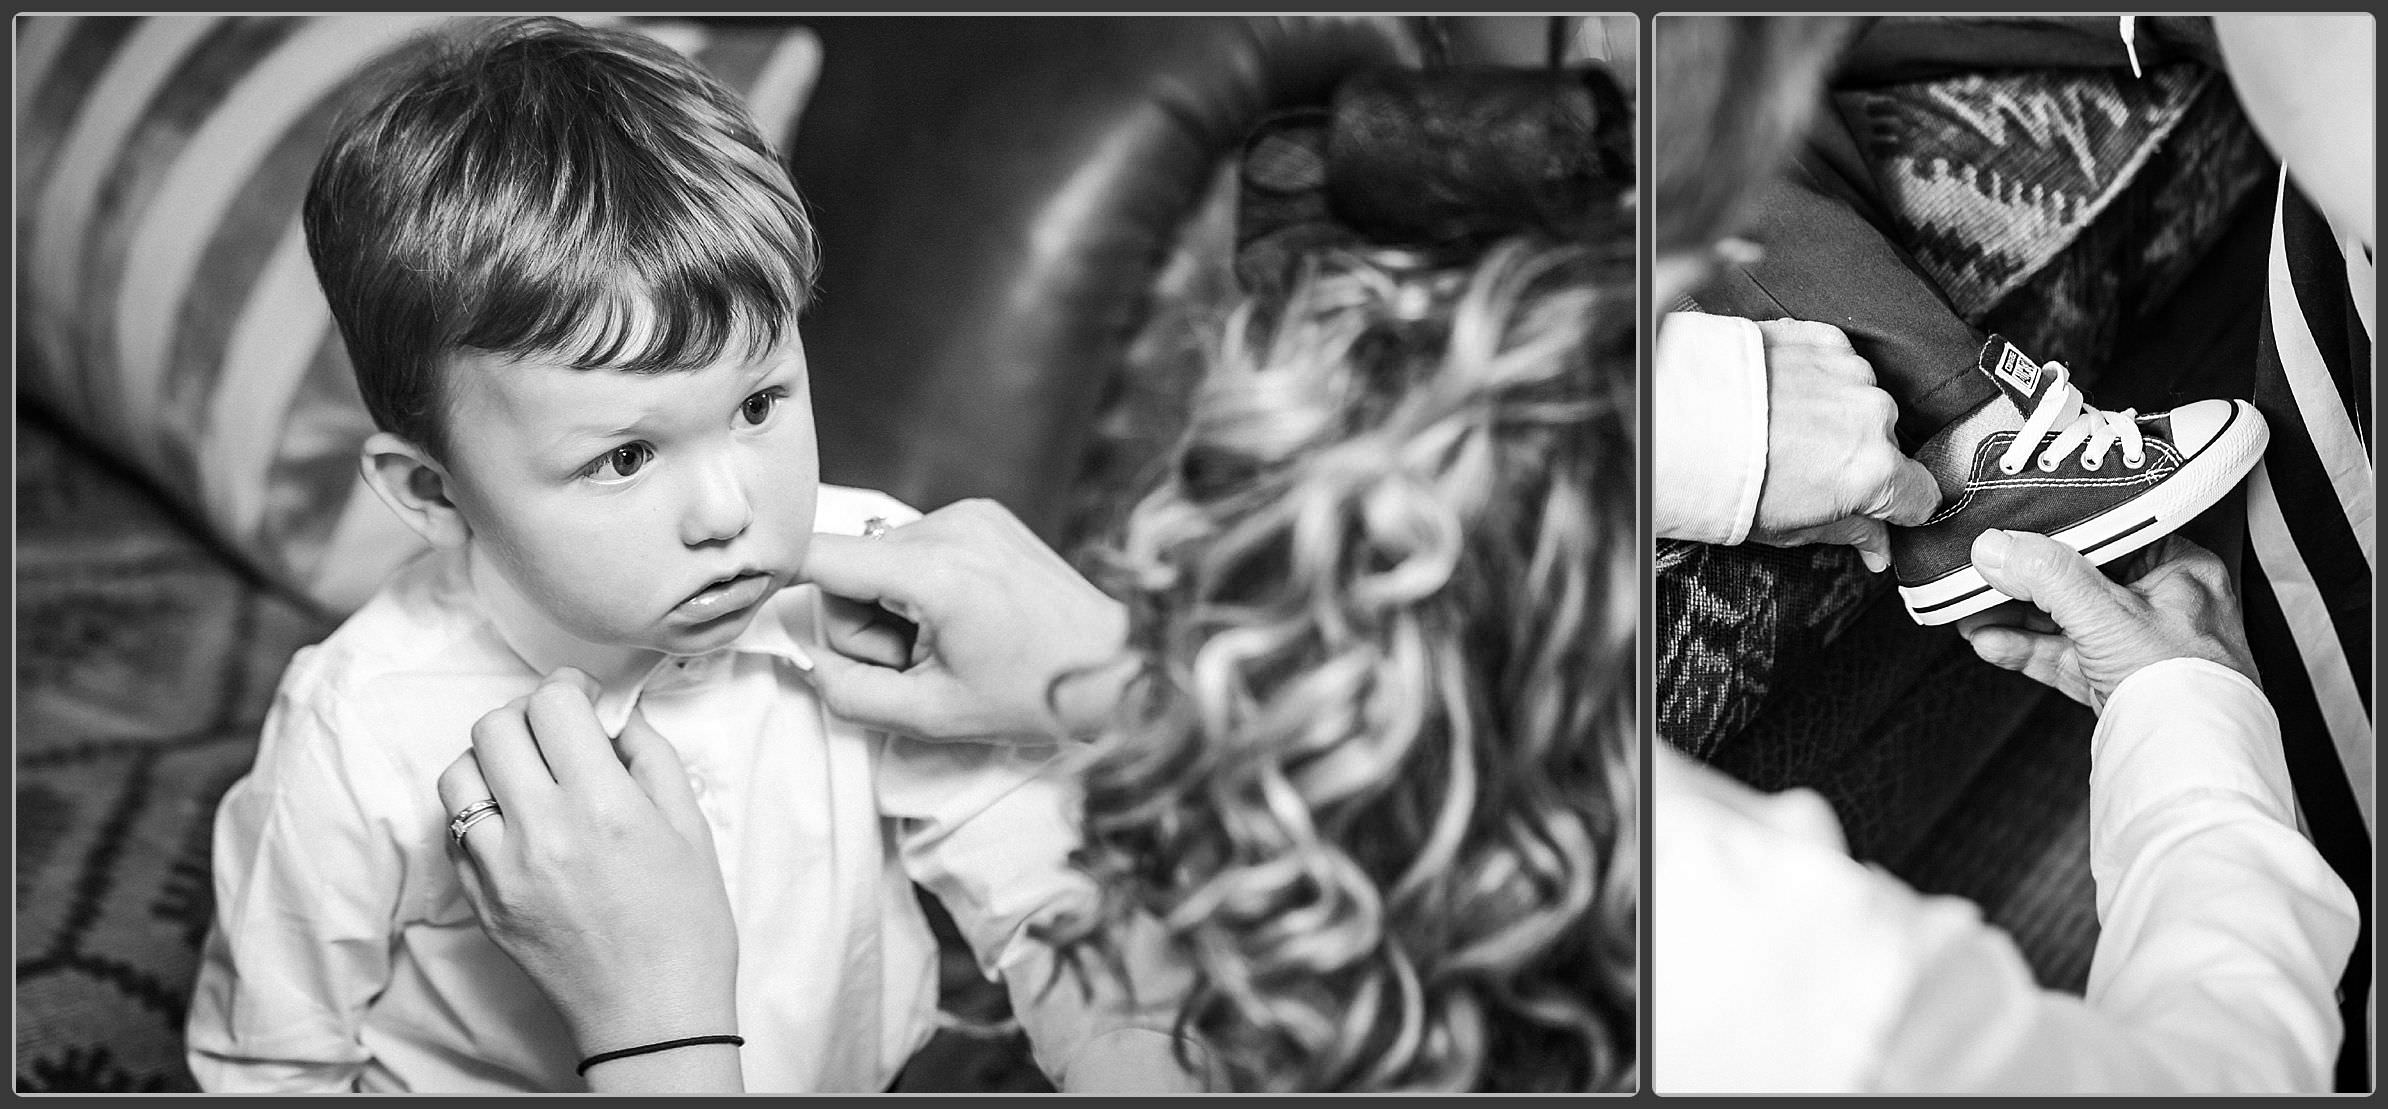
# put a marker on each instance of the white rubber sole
(2200, 482)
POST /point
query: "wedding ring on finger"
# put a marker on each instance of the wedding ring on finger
(874, 527)
(468, 816)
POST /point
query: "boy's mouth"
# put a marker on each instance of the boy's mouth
(728, 595)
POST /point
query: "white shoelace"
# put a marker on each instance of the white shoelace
(2092, 431)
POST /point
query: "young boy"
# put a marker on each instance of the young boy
(568, 272)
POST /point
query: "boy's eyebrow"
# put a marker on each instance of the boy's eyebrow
(574, 434)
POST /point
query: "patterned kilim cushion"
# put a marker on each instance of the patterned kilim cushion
(1988, 175)
(166, 305)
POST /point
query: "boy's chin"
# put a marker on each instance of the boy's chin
(706, 638)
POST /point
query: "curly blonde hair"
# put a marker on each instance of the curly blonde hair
(1376, 780)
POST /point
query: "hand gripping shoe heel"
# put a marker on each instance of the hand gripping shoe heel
(2038, 458)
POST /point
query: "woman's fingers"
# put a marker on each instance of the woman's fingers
(2044, 658)
(866, 633)
(867, 570)
(657, 769)
(563, 722)
(508, 759)
(910, 701)
(461, 784)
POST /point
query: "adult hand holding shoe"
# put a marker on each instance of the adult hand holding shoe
(2084, 633)
(1834, 471)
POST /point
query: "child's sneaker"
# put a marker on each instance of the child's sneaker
(2037, 458)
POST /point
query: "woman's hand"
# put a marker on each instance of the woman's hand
(598, 876)
(2083, 633)
(999, 617)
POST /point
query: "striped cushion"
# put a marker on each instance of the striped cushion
(166, 304)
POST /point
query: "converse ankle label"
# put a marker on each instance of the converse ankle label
(2017, 371)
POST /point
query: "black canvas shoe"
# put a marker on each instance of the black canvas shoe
(2037, 458)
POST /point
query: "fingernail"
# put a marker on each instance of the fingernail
(1873, 560)
(1990, 549)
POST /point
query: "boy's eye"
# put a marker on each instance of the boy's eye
(758, 407)
(620, 462)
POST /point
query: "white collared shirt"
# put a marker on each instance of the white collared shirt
(1782, 965)
(344, 955)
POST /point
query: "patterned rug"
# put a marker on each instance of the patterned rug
(144, 664)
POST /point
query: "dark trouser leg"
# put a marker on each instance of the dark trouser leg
(1827, 259)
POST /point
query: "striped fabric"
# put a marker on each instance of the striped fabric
(2308, 578)
(166, 305)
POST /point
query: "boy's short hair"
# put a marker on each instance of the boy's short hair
(533, 187)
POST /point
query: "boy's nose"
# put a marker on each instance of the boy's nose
(720, 508)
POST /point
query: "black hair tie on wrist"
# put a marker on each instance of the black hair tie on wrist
(667, 1045)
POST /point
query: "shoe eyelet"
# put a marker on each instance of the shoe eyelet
(2134, 463)
(2009, 471)
(2049, 465)
(2093, 463)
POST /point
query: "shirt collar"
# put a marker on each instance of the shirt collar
(621, 672)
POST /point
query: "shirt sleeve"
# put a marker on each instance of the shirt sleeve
(989, 829)
(300, 943)
(2222, 932)
(1708, 421)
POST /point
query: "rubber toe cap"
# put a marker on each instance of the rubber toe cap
(2197, 425)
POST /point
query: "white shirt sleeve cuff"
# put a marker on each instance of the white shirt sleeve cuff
(2186, 725)
(1708, 427)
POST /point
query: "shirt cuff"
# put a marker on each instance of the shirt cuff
(1708, 427)
(2182, 727)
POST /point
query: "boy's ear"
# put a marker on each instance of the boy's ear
(415, 486)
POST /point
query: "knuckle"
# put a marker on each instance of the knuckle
(1872, 469)
(1822, 334)
(1878, 406)
(489, 723)
(942, 577)
(2204, 565)
(834, 693)
(834, 698)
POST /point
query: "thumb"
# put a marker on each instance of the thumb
(657, 769)
(2045, 573)
(1909, 498)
